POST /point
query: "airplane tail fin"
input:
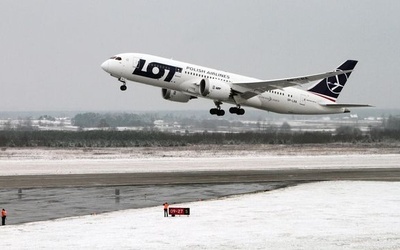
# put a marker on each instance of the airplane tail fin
(331, 87)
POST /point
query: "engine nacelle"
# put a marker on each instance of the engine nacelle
(175, 96)
(216, 90)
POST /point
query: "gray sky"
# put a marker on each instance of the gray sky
(52, 50)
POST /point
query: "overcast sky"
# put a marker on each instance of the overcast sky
(51, 51)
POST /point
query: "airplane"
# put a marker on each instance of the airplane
(181, 82)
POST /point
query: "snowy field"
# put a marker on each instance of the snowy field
(213, 158)
(325, 215)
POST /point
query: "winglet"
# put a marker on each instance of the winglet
(331, 87)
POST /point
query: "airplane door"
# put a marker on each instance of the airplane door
(302, 100)
(178, 72)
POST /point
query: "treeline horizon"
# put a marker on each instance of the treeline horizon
(150, 138)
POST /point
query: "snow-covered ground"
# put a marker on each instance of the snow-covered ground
(325, 215)
(82, 161)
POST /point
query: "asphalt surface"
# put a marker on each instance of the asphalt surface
(198, 177)
(31, 198)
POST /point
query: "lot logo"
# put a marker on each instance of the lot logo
(156, 70)
(336, 83)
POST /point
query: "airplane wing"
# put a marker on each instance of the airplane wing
(248, 90)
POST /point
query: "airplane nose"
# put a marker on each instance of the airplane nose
(104, 66)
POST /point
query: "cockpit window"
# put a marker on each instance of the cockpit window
(116, 58)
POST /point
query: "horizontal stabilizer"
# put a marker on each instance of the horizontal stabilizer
(345, 105)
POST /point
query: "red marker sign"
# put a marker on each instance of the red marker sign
(179, 211)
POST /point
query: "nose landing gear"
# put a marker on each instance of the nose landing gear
(123, 86)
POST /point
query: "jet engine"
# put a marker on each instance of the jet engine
(175, 96)
(216, 90)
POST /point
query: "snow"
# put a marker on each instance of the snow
(324, 215)
(42, 161)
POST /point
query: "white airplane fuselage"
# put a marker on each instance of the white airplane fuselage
(183, 79)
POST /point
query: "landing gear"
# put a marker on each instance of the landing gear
(237, 110)
(123, 86)
(220, 112)
(217, 111)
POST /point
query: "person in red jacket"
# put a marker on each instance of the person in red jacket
(166, 205)
(3, 217)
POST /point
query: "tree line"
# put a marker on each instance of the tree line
(109, 138)
(91, 120)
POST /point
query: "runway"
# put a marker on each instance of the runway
(198, 177)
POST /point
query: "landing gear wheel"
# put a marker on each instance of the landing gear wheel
(218, 112)
(123, 87)
(236, 110)
(221, 112)
(233, 110)
(214, 111)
